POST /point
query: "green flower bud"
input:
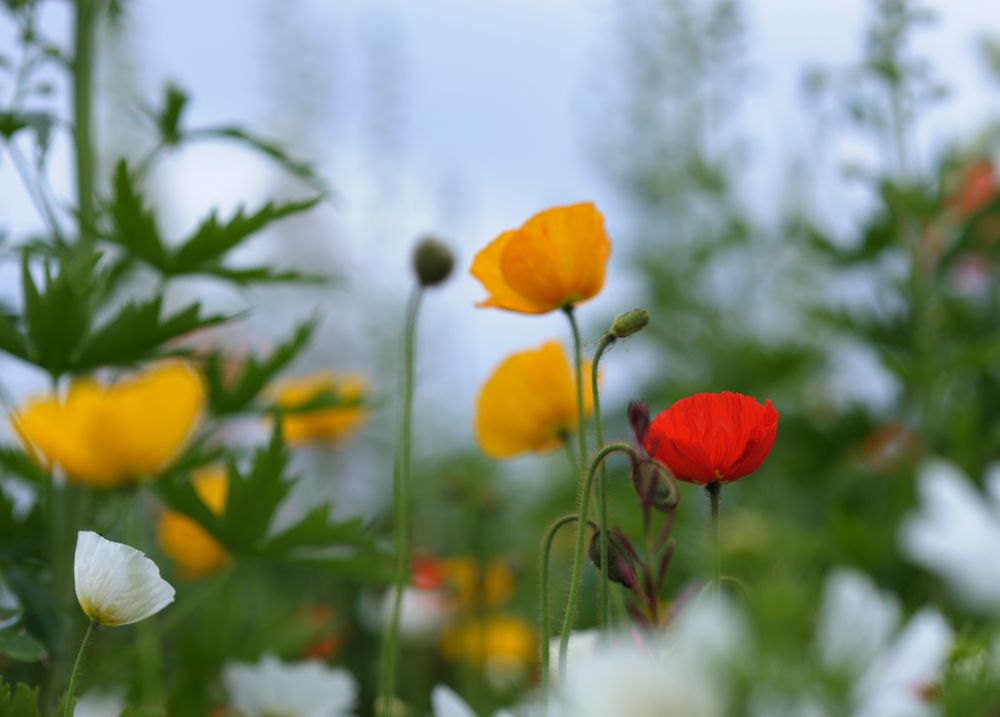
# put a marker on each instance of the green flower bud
(621, 563)
(432, 261)
(629, 323)
(655, 485)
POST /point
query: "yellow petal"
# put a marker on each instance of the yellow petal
(195, 552)
(486, 268)
(556, 259)
(529, 403)
(329, 424)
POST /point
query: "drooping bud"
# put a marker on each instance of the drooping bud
(432, 261)
(629, 323)
(655, 485)
(621, 560)
(638, 417)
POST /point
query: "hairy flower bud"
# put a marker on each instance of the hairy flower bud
(432, 261)
(621, 562)
(655, 485)
(629, 323)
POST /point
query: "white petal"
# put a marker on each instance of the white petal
(893, 685)
(299, 689)
(582, 644)
(855, 621)
(956, 534)
(447, 703)
(115, 583)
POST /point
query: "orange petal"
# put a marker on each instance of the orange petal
(486, 268)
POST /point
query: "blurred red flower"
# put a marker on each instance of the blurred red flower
(712, 437)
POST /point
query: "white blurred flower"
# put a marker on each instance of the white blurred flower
(681, 675)
(99, 704)
(422, 612)
(297, 689)
(447, 703)
(582, 644)
(115, 583)
(859, 637)
(956, 532)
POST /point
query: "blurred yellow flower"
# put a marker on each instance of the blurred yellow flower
(529, 403)
(195, 552)
(499, 643)
(555, 260)
(474, 588)
(329, 423)
(105, 436)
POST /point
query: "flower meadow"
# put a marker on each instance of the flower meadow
(740, 536)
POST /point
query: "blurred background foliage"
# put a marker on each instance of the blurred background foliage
(774, 304)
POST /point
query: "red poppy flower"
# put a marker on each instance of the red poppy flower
(712, 437)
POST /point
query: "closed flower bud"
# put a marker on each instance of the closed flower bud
(621, 563)
(629, 323)
(638, 418)
(655, 485)
(432, 261)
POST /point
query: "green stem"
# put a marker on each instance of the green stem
(147, 638)
(543, 582)
(401, 507)
(571, 456)
(83, 87)
(572, 601)
(581, 427)
(71, 689)
(714, 490)
(602, 489)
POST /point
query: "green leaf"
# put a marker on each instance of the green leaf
(254, 498)
(254, 375)
(17, 644)
(134, 226)
(213, 239)
(21, 702)
(20, 463)
(138, 331)
(315, 531)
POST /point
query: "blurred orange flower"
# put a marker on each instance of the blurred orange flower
(105, 436)
(529, 403)
(476, 588)
(503, 645)
(195, 552)
(325, 423)
(555, 260)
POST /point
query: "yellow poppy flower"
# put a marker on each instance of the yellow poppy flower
(475, 588)
(195, 552)
(555, 260)
(497, 639)
(330, 424)
(529, 403)
(104, 436)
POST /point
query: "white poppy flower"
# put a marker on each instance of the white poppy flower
(857, 626)
(99, 704)
(582, 644)
(447, 703)
(115, 583)
(297, 689)
(684, 674)
(956, 532)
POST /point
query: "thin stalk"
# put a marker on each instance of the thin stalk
(83, 88)
(71, 689)
(574, 464)
(572, 602)
(602, 488)
(714, 489)
(401, 508)
(147, 638)
(581, 427)
(543, 582)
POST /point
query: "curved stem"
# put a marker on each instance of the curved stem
(543, 582)
(71, 689)
(571, 456)
(574, 585)
(401, 506)
(602, 489)
(581, 427)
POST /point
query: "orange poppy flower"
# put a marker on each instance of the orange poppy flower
(326, 423)
(712, 437)
(529, 403)
(555, 260)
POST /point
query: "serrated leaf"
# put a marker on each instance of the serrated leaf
(254, 374)
(316, 531)
(138, 331)
(265, 275)
(214, 239)
(22, 701)
(254, 498)
(134, 226)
